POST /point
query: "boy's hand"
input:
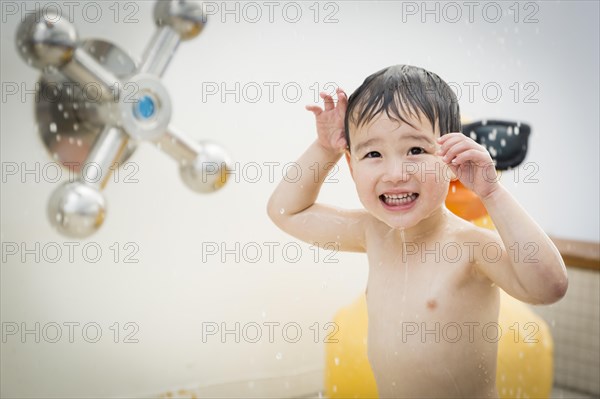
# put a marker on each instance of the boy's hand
(470, 162)
(330, 122)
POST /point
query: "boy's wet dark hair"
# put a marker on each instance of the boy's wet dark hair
(404, 90)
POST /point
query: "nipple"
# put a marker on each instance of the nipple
(431, 304)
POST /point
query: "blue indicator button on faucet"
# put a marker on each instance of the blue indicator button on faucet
(144, 108)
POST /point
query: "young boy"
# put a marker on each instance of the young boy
(432, 291)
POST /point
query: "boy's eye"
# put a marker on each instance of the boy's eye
(416, 151)
(373, 154)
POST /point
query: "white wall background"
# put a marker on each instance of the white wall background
(170, 292)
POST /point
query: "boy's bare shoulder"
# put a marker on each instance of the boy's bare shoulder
(478, 246)
(468, 232)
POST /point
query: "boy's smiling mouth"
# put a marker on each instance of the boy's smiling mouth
(395, 201)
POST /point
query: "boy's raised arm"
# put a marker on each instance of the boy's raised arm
(530, 267)
(292, 205)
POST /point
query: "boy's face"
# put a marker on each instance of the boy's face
(399, 178)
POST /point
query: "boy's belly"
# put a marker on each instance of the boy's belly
(421, 367)
(437, 345)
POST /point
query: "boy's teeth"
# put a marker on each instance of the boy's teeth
(397, 196)
(397, 199)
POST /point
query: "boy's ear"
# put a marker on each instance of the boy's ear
(347, 154)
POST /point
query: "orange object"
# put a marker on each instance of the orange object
(463, 202)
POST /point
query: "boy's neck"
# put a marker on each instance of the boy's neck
(427, 227)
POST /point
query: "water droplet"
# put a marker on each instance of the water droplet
(484, 122)
(324, 285)
(76, 126)
(75, 106)
(453, 189)
(473, 135)
(521, 355)
(58, 137)
(66, 115)
(282, 211)
(502, 143)
(278, 356)
(60, 106)
(516, 130)
(71, 140)
(79, 142)
(336, 361)
(53, 127)
(334, 388)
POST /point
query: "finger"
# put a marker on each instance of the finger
(315, 109)
(446, 136)
(342, 98)
(459, 147)
(451, 142)
(328, 100)
(454, 169)
(475, 156)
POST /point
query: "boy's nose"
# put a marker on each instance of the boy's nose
(399, 171)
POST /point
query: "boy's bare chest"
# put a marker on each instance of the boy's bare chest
(420, 283)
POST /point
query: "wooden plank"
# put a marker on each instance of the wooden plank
(582, 254)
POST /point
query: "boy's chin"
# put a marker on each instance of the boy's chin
(400, 223)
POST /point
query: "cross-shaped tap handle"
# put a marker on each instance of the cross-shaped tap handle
(134, 108)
